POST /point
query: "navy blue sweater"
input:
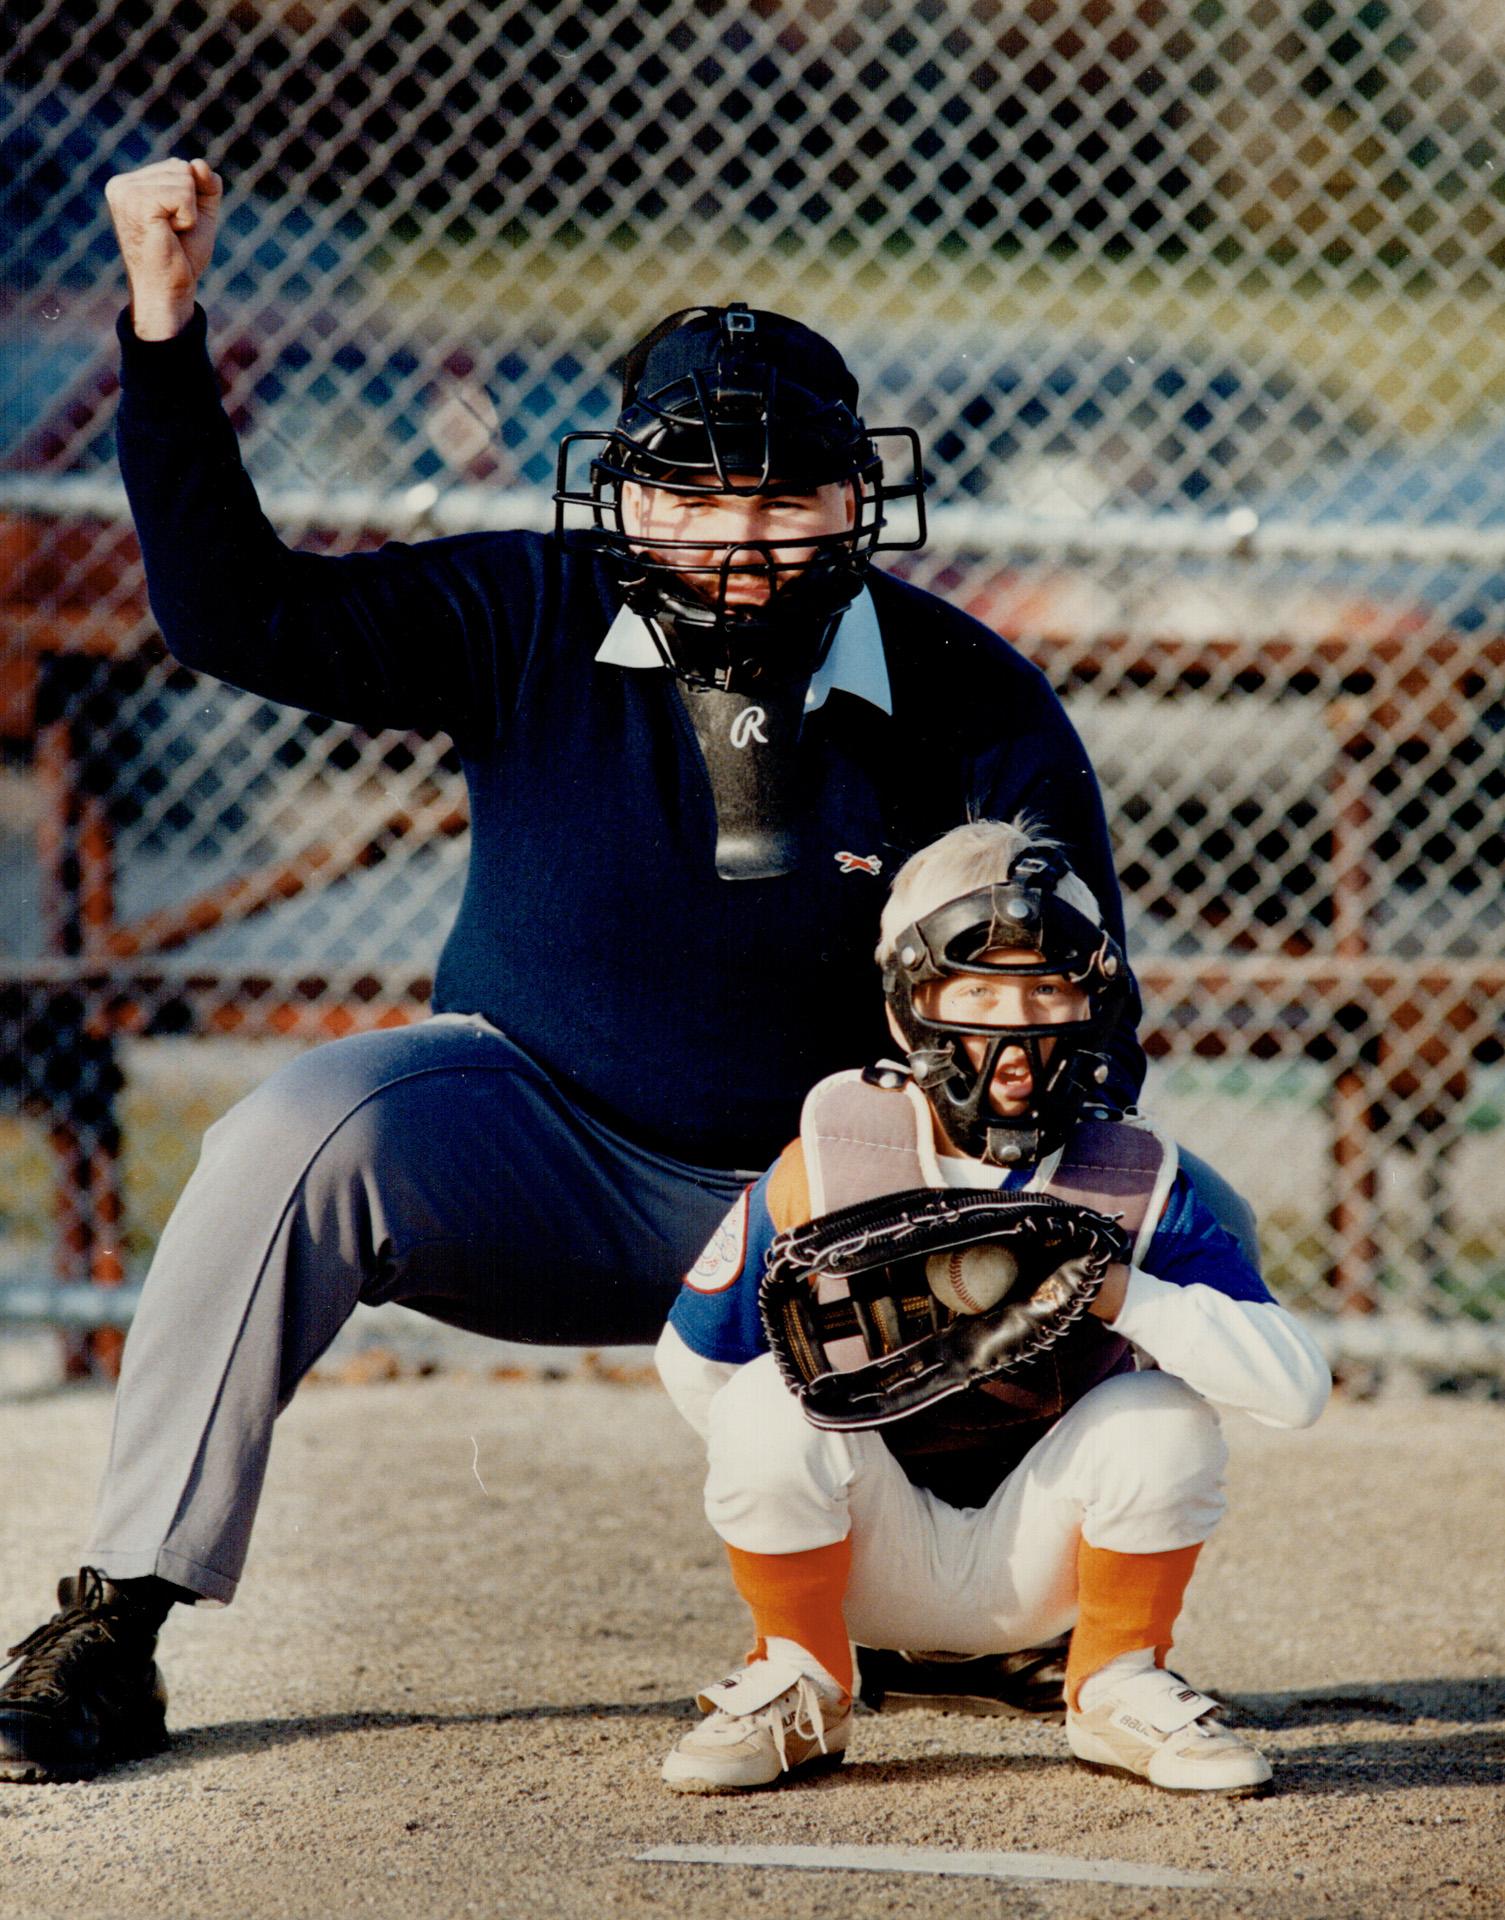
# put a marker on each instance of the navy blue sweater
(688, 1012)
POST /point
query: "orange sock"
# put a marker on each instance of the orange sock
(1125, 1601)
(799, 1596)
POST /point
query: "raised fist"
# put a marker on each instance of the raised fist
(165, 217)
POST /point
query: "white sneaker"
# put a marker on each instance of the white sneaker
(771, 1719)
(1155, 1726)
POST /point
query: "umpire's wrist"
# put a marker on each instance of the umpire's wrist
(142, 361)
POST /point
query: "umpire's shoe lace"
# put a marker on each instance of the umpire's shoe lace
(86, 1693)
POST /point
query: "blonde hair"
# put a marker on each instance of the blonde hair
(976, 855)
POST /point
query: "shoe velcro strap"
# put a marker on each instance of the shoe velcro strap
(1165, 1708)
(758, 1685)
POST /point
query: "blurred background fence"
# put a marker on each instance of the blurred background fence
(1198, 308)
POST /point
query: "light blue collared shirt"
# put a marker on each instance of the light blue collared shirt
(855, 662)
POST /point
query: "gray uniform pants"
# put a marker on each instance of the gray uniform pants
(436, 1165)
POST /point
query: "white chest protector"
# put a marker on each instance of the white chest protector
(869, 1135)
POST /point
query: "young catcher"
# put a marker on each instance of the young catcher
(997, 1320)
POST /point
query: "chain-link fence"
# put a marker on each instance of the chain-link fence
(1198, 310)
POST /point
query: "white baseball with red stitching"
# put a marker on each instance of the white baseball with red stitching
(971, 1279)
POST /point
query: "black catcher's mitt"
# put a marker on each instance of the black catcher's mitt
(880, 1309)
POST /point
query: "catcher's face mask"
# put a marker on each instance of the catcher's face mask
(1004, 999)
(729, 410)
(1018, 1000)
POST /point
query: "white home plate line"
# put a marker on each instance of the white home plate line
(982, 1866)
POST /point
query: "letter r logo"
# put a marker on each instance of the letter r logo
(749, 725)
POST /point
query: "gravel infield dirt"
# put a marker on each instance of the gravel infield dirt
(476, 1611)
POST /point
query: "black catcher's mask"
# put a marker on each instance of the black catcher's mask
(717, 392)
(1024, 912)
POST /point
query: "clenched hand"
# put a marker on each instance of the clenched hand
(165, 218)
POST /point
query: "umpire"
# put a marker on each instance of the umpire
(698, 734)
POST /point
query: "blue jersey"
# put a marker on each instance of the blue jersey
(716, 1313)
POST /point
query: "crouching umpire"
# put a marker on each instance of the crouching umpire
(698, 733)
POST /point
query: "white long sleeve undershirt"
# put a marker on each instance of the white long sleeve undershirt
(1247, 1354)
(692, 1381)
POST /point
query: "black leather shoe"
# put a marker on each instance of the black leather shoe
(86, 1694)
(1031, 1681)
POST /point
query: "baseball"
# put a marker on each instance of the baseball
(971, 1279)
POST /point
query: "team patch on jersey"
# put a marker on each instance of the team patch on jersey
(720, 1266)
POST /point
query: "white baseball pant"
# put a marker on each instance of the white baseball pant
(1135, 1466)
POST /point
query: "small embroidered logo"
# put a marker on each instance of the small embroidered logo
(749, 725)
(859, 863)
(725, 1253)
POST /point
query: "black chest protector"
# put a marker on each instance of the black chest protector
(861, 1142)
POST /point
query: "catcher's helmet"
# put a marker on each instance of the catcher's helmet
(1023, 913)
(736, 401)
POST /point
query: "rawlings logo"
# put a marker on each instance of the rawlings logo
(859, 863)
(1053, 1293)
(749, 725)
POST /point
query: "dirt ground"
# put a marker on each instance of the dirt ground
(476, 1610)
